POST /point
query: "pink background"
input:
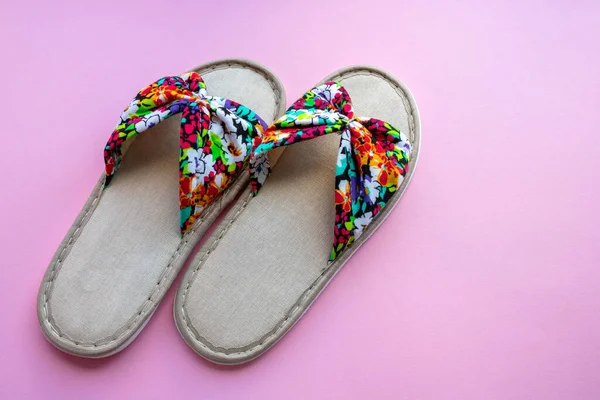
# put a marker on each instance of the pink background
(493, 289)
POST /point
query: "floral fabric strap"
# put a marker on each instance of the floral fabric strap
(371, 164)
(216, 138)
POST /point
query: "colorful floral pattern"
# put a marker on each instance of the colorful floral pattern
(216, 137)
(371, 164)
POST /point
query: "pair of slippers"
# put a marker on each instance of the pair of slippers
(293, 214)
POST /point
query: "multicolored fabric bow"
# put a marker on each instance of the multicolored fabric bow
(216, 137)
(372, 158)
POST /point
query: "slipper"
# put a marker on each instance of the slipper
(272, 255)
(132, 237)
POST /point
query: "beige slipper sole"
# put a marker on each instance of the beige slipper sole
(267, 261)
(125, 248)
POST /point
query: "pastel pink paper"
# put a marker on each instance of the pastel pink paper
(484, 284)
